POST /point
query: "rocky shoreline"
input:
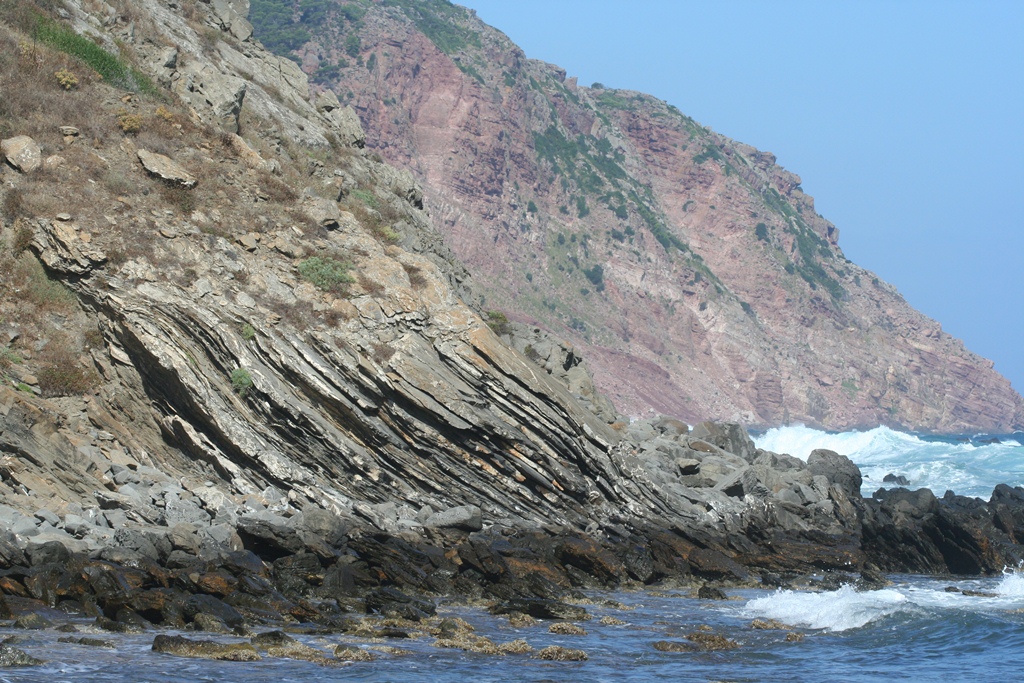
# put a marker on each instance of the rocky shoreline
(272, 568)
(253, 392)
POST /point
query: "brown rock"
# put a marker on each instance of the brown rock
(555, 653)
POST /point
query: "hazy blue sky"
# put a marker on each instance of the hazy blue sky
(905, 121)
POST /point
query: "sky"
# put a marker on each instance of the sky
(904, 119)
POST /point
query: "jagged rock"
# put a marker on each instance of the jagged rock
(22, 152)
(838, 469)
(211, 91)
(728, 436)
(233, 17)
(897, 479)
(165, 168)
(324, 212)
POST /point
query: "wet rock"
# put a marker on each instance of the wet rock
(195, 605)
(469, 643)
(565, 628)
(768, 625)
(713, 564)
(611, 621)
(12, 656)
(393, 602)
(897, 479)
(674, 646)
(348, 653)
(711, 641)
(515, 647)
(88, 642)
(205, 649)
(520, 620)
(711, 593)
(449, 627)
(270, 639)
(588, 555)
(33, 622)
(556, 653)
(542, 609)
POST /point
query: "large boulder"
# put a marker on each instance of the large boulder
(728, 436)
(838, 469)
(22, 152)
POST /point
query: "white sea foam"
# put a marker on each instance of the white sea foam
(970, 469)
(834, 611)
(1011, 585)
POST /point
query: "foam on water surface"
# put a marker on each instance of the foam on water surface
(833, 611)
(955, 463)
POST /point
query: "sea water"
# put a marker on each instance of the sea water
(914, 630)
(970, 465)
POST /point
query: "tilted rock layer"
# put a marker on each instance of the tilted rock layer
(692, 271)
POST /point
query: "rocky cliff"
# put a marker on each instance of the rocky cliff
(691, 270)
(241, 385)
(229, 328)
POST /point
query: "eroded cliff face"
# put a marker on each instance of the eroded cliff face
(691, 270)
(221, 311)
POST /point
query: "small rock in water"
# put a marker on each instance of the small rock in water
(711, 641)
(562, 654)
(90, 642)
(12, 656)
(348, 653)
(566, 629)
(897, 479)
(711, 593)
(768, 624)
(205, 649)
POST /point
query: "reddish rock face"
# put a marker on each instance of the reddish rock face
(692, 272)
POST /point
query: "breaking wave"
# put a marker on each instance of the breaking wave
(970, 466)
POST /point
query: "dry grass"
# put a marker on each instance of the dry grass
(61, 373)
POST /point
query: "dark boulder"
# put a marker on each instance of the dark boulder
(838, 469)
(393, 602)
(267, 539)
(541, 609)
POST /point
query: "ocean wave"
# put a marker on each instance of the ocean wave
(939, 463)
(834, 611)
(1011, 585)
